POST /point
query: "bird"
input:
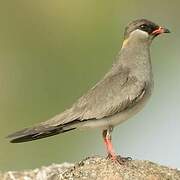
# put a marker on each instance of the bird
(120, 94)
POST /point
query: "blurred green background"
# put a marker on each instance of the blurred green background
(51, 52)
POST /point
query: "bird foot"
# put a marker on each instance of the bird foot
(122, 160)
(119, 159)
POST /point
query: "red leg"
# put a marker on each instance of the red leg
(108, 143)
(109, 147)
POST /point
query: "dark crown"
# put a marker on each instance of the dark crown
(142, 24)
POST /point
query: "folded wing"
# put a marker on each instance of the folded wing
(117, 91)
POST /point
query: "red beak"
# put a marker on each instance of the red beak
(160, 30)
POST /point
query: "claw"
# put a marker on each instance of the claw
(119, 159)
(122, 160)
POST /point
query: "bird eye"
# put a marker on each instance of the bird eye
(143, 27)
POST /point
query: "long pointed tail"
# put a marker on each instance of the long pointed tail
(41, 131)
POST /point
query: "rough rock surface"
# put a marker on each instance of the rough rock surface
(97, 168)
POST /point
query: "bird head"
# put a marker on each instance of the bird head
(143, 29)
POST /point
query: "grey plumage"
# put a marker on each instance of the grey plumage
(121, 93)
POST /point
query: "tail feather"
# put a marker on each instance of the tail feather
(39, 132)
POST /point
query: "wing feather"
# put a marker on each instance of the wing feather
(113, 94)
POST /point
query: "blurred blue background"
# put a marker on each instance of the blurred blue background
(51, 52)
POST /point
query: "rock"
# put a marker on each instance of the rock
(98, 168)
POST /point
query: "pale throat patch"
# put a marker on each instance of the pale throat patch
(137, 34)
